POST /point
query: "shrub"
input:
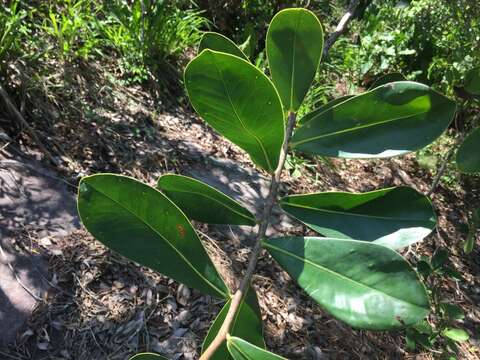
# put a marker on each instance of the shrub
(353, 270)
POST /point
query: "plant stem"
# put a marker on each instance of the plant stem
(252, 263)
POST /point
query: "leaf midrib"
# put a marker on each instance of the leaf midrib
(359, 284)
(352, 129)
(164, 238)
(352, 214)
(259, 142)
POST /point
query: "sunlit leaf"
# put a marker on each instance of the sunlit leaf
(323, 108)
(394, 217)
(390, 120)
(238, 101)
(242, 350)
(294, 48)
(218, 42)
(458, 335)
(388, 78)
(366, 285)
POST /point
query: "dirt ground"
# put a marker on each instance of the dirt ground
(102, 306)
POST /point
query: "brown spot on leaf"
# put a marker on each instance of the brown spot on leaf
(181, 230)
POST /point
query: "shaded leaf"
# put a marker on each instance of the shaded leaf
(294, 47)
(247, 325)
(472, 232)
(242, 350)
(390, 120)
(142, 224)
(439, 258)
(395, 217)
(202, 202)
(468, 154)
(453, 311)
(218, 42)
(458, 335)
(388, 78)
(238, 101)
(148, 356)
(366, 285)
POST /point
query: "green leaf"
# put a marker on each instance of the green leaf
(294, 47)
(368, 286)
(390, 120)
(142, 224)
(452, 311)
(247, 325)
(424, 268)
(242, 350)
(238, 101)
(472, 81)
(395, 217)
(388, 78)
(458, 335)
(201, 202)
(148, 356)
(323, 108)
(439, 258)
(218, 42)
(468, 154)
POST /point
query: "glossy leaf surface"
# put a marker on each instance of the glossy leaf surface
(294, 48)
(148, 356)
(218, 42)
(468, 154)
(390, 120)
(238, 101)
(247, 325)
(388, 78)
(323, 108)
(202, 202)
(394, 217)
(142, 224)
(366, 285)
(242, 350)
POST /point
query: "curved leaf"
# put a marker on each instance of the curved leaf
(395, 217)
(218, 42)
(472, 81)
(247, 325)
(202, 202)
(294, 47)
(323, 108)
(388, 78)
(238, 101)
(458, 335)
(148, 356)
(143, 225)
(390, 120)
(468, 154)
(366, 285)
(242, 350)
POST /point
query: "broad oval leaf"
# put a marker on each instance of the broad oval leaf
(242, 350)
(238, 101)
(395, 217)
(388, 78)
(142, 224)
(472, 81)
(148, 356)
(458, 335)
(218, 42)
(247, 325)
(390, 120)
(294, 47)
(468, 154)
(202, 202)
(368, 286)
(323, 108)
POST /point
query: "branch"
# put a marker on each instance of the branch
(264, 223)
(341, 27)
(18, 116)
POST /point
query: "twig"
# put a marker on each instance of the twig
(264, 223)
(341, 27)
(18, 116)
